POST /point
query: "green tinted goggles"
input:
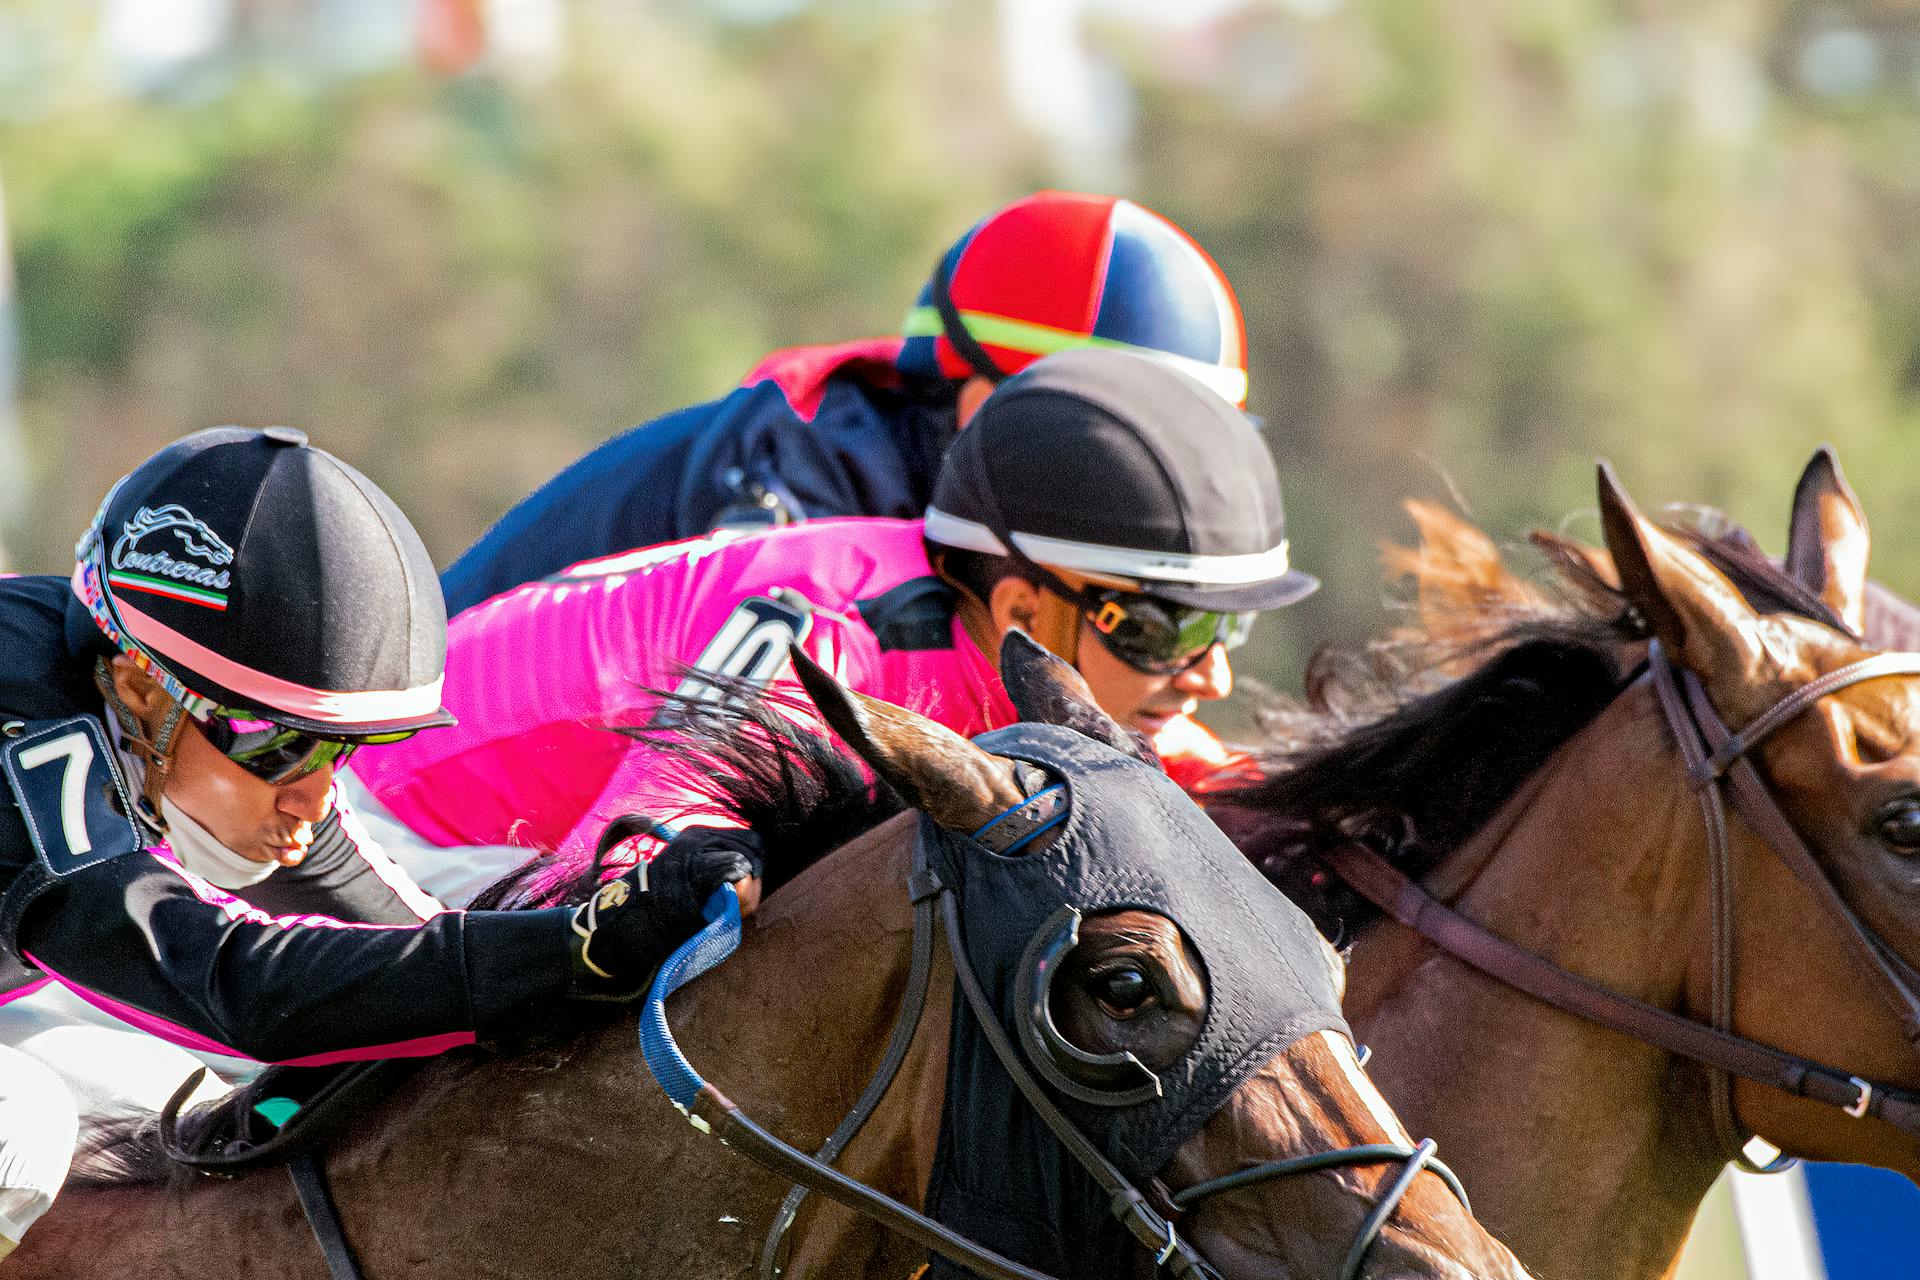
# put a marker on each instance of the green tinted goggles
(1157, 637)
(273, 752)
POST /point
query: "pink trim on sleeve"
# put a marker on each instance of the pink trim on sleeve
(234, 909)
(422, 1047)
(20, 993)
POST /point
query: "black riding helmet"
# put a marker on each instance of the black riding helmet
(1121, 467)
(249, 571)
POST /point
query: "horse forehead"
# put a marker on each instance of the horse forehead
(1790, 652)
(1879, 714)
(1795, 651)
(1884, 712)
(1806, 650)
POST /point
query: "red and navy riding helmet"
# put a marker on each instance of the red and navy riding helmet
(249, 571)
(1059, 270)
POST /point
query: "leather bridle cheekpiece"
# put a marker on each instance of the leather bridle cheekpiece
(1717, 764)
(1149, 1214)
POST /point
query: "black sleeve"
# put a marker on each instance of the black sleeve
(200, 966)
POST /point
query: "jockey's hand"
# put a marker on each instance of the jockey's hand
(634, 922)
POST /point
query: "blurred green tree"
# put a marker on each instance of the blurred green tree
(1478, 244)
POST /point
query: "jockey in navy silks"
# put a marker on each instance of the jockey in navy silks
(245, 613)
(859, 429)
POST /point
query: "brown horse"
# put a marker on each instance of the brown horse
(570, 1163)
(1508, 750)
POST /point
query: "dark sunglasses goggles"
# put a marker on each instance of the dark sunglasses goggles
(1157, 637)
(273, 752)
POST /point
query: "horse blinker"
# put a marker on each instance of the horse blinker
(1099, 1079)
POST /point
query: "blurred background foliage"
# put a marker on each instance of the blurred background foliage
(1479, 242)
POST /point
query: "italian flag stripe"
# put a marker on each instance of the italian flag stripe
(171, 590)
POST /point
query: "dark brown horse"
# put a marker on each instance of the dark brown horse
(1508, 749)
(568, 1162)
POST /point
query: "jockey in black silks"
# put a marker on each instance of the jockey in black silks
(245, 613)
(859, 429)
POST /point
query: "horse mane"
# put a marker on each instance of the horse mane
(744, 746)
(1413, 741)
(799, 792)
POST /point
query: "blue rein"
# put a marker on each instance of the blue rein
(1012, 829)
(684, 1087)
(1007, 833)
(696, 955)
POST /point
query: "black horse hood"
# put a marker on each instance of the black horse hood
(1131, 839)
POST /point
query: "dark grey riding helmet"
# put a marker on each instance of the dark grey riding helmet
(1111, 464)
(251, 571)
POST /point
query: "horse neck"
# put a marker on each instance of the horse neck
(826, 999)
(571, 1162)
(1587, 1152)
(790, 1028)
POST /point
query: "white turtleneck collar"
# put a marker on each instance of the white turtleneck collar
(197, 849)
(201, 853)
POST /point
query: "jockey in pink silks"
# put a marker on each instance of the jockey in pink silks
(1120, 512)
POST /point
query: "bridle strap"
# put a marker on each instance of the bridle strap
(1756, 805)
(1406, 902)
(1893, 975)
(1415, 1158)
(1736, 745)
(309, 1173)
(1129, 1205)
(923, 886)
(727, 1122)
(1717, 757)
(1690, 739)
(1712, 755)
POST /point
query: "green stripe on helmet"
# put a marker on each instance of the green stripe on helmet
(1045, 340)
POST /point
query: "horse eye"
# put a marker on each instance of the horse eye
(1900, 826)
(1122, 990)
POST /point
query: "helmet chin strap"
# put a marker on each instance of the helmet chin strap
(156, 752)
(964, 343)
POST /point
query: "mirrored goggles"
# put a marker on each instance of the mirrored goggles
(1157, 637)
(273, 752)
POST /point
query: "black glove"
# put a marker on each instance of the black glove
(633, 923)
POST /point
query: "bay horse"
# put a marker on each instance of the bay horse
(567, 1161)
(1508, 751)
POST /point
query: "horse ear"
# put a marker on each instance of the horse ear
(933, 768)
(1827, 539)
(1699, 617)
(1048, 691)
